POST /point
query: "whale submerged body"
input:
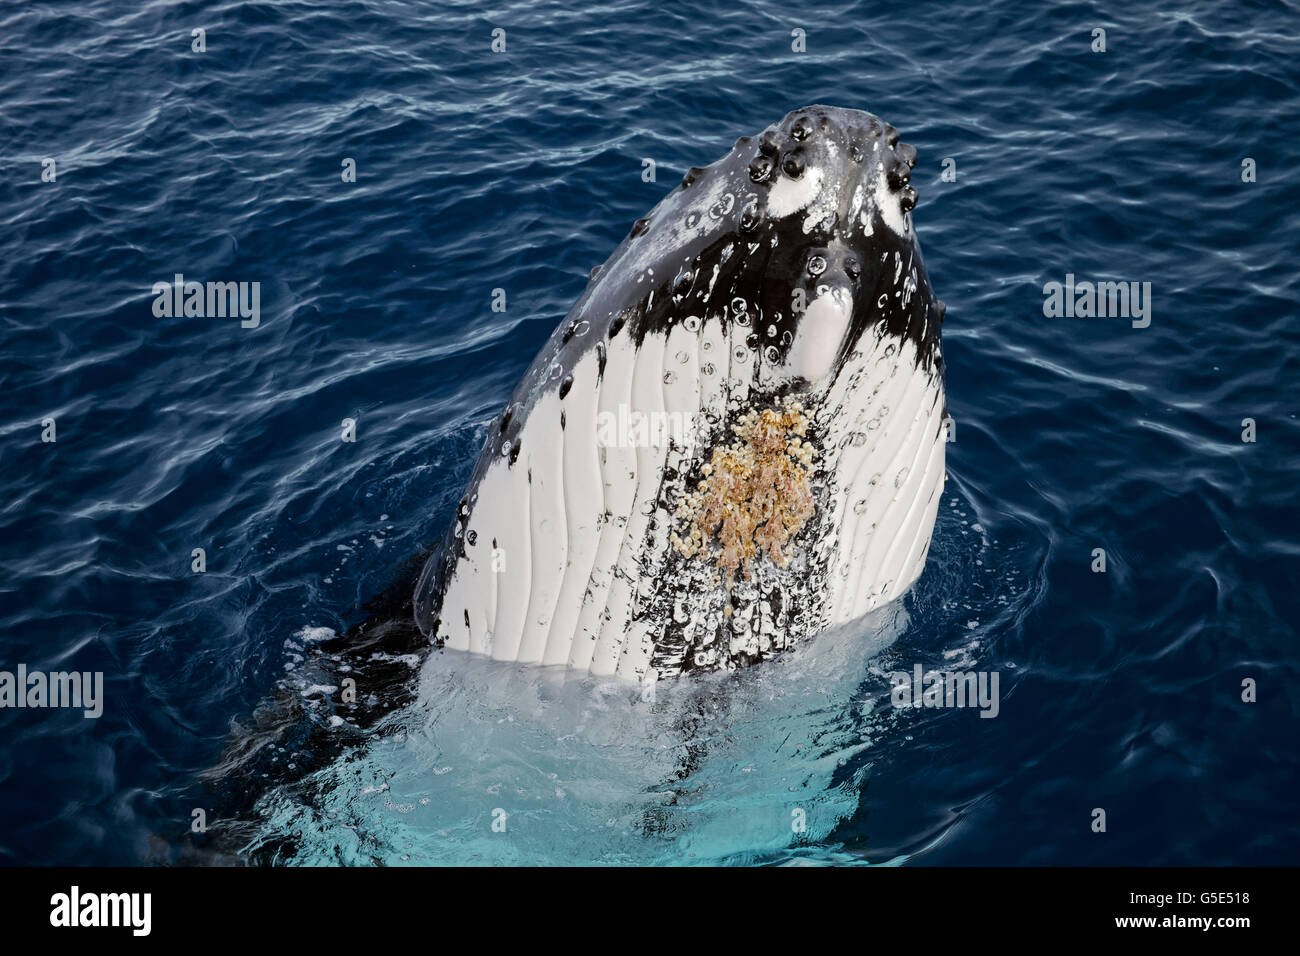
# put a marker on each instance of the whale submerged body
(733, 441)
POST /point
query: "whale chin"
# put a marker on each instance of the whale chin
(734, 440)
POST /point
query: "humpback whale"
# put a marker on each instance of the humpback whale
(775, 311)
(733, 442)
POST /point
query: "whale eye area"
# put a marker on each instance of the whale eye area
(754, 494)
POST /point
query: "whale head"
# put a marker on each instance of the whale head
(734, 439)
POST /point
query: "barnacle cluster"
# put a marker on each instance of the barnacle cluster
(755, 494)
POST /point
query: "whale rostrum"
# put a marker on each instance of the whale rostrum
(734, 440)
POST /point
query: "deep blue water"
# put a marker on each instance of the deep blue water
(522, 170)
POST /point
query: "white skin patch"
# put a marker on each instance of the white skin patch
(824, 207)
(855, 208)
(821, 332)
(789, 196)
(707, 208)
(891, 209)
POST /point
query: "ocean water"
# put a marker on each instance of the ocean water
(521, 170)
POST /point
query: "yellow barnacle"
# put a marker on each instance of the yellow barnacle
(757, 493)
